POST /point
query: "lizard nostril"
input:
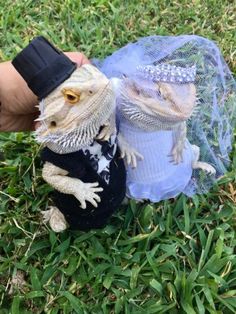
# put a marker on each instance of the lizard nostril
(53, 123)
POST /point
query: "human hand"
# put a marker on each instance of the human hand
(18, 103)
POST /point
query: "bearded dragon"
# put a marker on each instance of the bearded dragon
(81, 157)
(154, 107)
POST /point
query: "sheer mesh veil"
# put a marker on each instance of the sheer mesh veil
(210, 122)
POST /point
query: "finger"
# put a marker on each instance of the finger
(97, 198)
(101, 135)
(134, 161)
(95, 190)
(93, 202)
(78, 57)
(37, 125)
(211, 171)
(85, 60)
(83, 204)
(128, 158)
(139, 156)
(106, 138)
(46, 216)
(122, 155)
(91, 185)
(174, 161)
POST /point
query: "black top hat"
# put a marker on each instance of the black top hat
(43, 66)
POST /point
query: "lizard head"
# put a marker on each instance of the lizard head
(75, 111)
(168, 103)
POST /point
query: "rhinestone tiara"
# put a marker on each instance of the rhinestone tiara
(168, 73)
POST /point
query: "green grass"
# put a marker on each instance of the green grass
(176, 256)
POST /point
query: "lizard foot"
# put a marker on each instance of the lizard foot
(106, 132)
(87, 192)
(128, 153)
(55, 218)
(131, 156)
(176, 155)
(205, 167)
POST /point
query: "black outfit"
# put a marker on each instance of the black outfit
(79, 166)
(44, 68)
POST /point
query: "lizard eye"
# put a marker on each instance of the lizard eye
(53, 124)
(70, 96)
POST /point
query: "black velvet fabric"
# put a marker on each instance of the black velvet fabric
(79, 167)
(43, 66)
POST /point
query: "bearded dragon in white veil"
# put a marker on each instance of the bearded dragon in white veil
(156, 112)
(78, 126)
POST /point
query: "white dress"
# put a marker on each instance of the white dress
(156, 178)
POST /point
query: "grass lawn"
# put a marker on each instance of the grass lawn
(176, 256)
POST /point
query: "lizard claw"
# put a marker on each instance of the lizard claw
(128, 153)
(88, 192)
(55, 218)
(177, 156)
(106, 132)
(131, 156)
(205, 167)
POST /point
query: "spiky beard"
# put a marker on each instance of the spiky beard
(85, 133)
(134, 114)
